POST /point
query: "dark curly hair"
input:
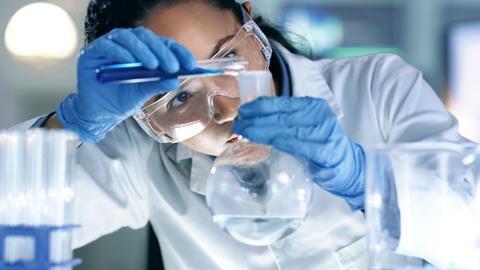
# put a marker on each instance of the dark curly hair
(105, 15)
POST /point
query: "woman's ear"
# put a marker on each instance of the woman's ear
(248, 7)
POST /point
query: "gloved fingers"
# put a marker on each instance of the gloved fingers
(299, 118)
(332, 153)
(105, 48)
(323, 175)
(328, 151)
(130, 41)
(169, 60)
(295, 147)
(300, 148)
(328, 155)
(337, 180)
(268, 127)
(267, 134)
(187, 60)
(259, 134)
(272, 105)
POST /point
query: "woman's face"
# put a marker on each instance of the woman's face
(203, 29)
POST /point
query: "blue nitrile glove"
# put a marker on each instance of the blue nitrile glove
(307, 127)
(97, 108)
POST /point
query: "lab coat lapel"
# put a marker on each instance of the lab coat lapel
(200, 166)
(307, 79)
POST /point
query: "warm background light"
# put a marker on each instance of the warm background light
(464, 103)
(41, 30)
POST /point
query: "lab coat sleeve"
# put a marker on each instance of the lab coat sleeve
(36, 122)
(42, 120)
(110, 183)
(408, 110)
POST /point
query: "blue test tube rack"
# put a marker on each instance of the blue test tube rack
(41, 236)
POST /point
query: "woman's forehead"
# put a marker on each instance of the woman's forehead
(194, 24)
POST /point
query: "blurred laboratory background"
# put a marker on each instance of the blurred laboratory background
(40, 40)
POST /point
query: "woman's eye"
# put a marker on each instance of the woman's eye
(180, 99)
(231, 54)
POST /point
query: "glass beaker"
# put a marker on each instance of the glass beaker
(257, 193)
(423, 206)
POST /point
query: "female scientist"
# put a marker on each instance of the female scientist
(323, 111)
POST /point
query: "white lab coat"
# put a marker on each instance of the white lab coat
(128, 179)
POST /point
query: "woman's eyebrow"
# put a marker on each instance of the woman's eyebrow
(220, 43)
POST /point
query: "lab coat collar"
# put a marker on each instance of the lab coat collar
(178, 152)
(306, 79)
(286, 84)
(200, 166)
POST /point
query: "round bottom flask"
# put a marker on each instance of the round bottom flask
(257, 193)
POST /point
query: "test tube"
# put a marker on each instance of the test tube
(3, 175)
(35, 189)
(15, 200)
(254, 84)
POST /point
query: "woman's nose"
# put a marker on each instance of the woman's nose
(225, 109)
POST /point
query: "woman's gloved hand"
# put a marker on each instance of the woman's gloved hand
(97, 108)
(307, 127)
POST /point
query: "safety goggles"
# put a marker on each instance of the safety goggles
(184, 113)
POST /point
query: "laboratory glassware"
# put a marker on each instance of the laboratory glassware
(423, 206)
(36, 199)
(257, 193)
(181, 114)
